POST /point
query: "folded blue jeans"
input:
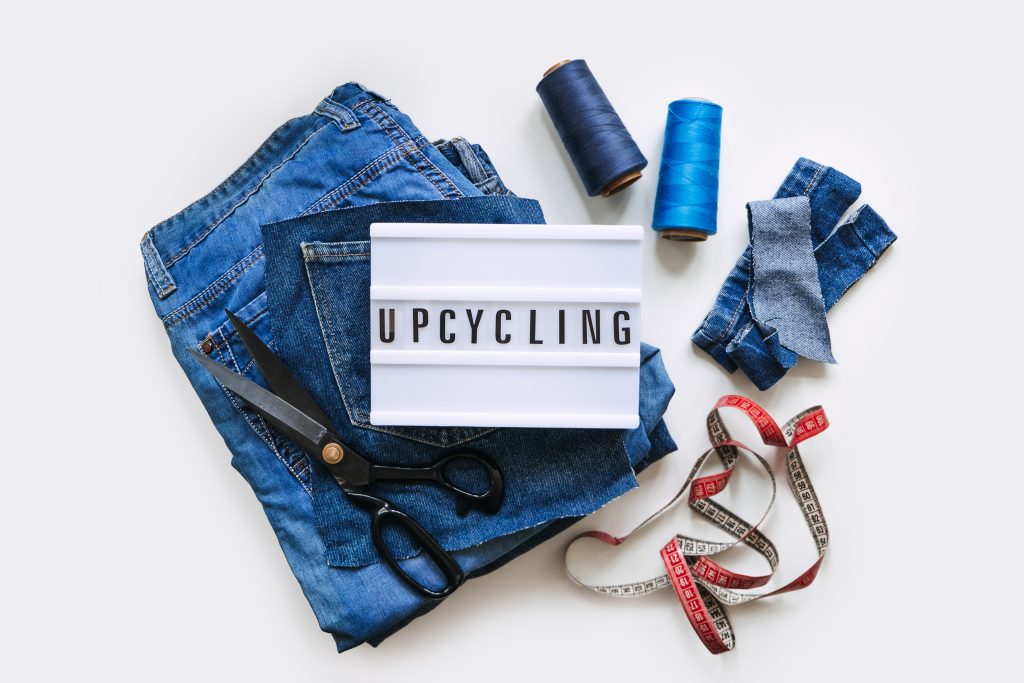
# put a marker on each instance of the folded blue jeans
(357, 157)
(843, 254)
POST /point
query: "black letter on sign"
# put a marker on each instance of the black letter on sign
(498, 336)
(390, 336)
(594, 325)
(561, 326)
(447, 313)
(474, 324)
(419, 320)
(533, 327)
(618, 318)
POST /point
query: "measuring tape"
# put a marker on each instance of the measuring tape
(703, 586)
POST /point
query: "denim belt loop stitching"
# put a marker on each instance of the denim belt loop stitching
(156, 272)
(341, 115)
(474, 169)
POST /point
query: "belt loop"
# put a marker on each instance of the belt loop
(157, 273)
(340, 114)
(474, 169)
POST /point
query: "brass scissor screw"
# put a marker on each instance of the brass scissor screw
(333, 453)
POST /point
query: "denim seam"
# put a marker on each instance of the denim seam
(227, 339)
(264, 433)
(321, 316)
(361, 104)
(405, 135)
(181, 254)
(158, 275)
(735, 316)
(256, 316)
(421, 155)
(332, 258)
(265, 438)
(813, 182)
(269, 145)
(402, 151)
(199, 301)
(345, 119)
(298, 466)
(332, 196)
(473, 165)
(853, 222)
(866, 270)
(398, 136)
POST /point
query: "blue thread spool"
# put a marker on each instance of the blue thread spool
(602, 150)
(686, 205)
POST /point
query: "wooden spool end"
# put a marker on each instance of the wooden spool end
(683, 235)
(554, 67)
(621, 183)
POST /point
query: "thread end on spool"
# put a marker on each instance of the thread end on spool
(621, 183)
(683, 235)
(554, 67)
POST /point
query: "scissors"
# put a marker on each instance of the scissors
(291, 409)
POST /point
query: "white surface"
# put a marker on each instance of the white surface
(528, 287)
(133, 552)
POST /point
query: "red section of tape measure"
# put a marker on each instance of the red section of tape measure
(686, 590)
(712, 572)
(702, 585)
(706, 487)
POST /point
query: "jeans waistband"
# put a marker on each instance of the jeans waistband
(171, 240)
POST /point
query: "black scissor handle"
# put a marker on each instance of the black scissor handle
(445, 563)
(489, 500)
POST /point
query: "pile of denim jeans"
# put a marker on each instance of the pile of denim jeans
(324, 178)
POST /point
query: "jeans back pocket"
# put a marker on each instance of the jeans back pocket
(339, 278)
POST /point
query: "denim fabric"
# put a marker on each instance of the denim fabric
(474, 163)
(843, 255)
(354, 149)
(785, 296)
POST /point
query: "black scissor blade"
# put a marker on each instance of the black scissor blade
(295, 424)
(282, 382)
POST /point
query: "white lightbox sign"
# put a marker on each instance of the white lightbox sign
(505, 325)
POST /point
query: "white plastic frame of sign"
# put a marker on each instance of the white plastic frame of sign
(505, 325)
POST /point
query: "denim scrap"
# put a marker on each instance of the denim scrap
(843, 255)
(785, 295)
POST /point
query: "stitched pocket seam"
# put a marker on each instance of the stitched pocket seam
(205, 297)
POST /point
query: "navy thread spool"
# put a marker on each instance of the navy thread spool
(602, 150)
(686, 205)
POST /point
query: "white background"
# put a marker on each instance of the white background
(131, 549)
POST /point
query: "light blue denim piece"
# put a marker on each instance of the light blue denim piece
(843, 254)
(356, 150)
(785, 296)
